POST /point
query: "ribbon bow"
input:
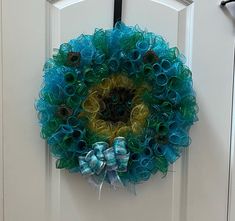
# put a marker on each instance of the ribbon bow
(104, 161)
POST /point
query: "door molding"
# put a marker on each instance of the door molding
(231, 181)
(1, 124)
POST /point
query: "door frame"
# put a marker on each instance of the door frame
(1, 124)
(231, 181)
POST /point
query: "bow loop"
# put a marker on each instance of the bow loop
(110, 158)
(119, 145)
(94, 163)
(99, 148)
(123, 162)
(84, 167)
(122, 157)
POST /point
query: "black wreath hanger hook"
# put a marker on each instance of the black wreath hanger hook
(223, 3)
(117, 15)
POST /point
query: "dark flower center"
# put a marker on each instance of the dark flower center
(150, 57)
(64, 111)
(73, 59)
(70, 77)
(118, 105)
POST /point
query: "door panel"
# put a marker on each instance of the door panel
(170, 20)
(67, 18)
(212, 65)
(1, 125)
(196, 186)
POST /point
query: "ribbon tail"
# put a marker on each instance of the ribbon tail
(114, 179)
(97, 182)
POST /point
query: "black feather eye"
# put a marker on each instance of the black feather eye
(150, 57)
(73, 59)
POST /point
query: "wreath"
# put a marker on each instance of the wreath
(117, 105)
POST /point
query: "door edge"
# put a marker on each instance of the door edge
(1, 124)
(231, 166)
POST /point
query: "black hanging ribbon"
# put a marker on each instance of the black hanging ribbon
(117, 11)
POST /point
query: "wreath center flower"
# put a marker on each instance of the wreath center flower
(115, 107)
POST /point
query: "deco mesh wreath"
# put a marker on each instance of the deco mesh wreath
(117, 105)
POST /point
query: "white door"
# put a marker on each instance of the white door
(198, 187)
